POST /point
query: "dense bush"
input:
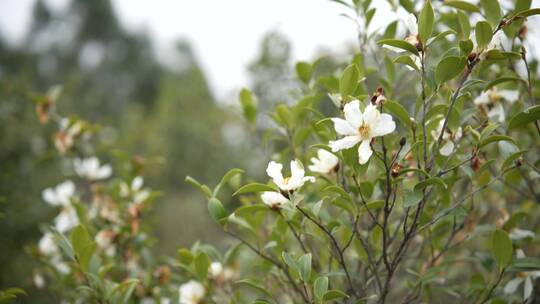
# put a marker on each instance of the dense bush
(422, 185)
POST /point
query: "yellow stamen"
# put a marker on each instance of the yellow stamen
(364, 131)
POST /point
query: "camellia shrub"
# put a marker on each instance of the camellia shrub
(408, 175)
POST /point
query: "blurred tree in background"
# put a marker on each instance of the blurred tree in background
(112, 77)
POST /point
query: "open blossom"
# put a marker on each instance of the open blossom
(46, 244)
(104, 240)
(448, 139)
(67, 219)
(325, 162)
(136, 190)
(90, 168)
(273, 199)
(295, 181)
(191, 292)
(518, 234)
(490, 102)
(522, 277)
(358, 127)
(412, 38)
(60, 195)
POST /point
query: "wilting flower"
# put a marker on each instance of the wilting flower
(60, 195)
(448, 138)
(273, 199)
(526, 277)
(191, 292)
(518, 234)
(63, 139)
(90, 168)
(295, 181)
(104, 240)
(490, 102)
(325, 162)
(358, 127)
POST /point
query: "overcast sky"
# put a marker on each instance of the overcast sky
(225, 34)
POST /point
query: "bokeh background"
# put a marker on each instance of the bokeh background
(162, 78)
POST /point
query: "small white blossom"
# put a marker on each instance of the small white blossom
(136, 190)
(358, 127)
(448, 139)
(90, 168)
(490, 102)
(273, 199)
(518, 234)
(215, 269)
(522, 277)
(46, 244)
(295, 181)
(104, 240)
(67, 219)
(60, 195)
(412, 38)
(324, 163)
(191, 292)
(39, 280)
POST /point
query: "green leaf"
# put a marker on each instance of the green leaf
(501, 80)
(528, 13)
(83, 246)
(407, 60)
(203, 188)
(320, 287)
(429, 182)
(462, 5)
(466, 46)
(216, 210)
(338, 190)
(495, 138)
(483, 34)
(185, 256)
(304, 70)
(254, 187)
(412, 198)
(226, 178)
(531, 114)
(408, 5)
(426, 19)
(527, 264)
(398, 111)
(440, 36)
(201, 263)
(288, 259)
(249, 105)
(125, 289)
(349, 80)
(304, 264)
(250, 210)
(334, 294)
(253, 285)
(501, 247)
(449, 68)
(464, 24)
(492, 10)
(401, 44)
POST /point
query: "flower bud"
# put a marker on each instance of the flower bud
(522, 33)
(402, 141)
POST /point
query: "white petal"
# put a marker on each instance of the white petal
(412, 25)
(512, 286)
(371, 116)
(535, 274)
(137, 183)
(509, 95)
(353, 114)
(518, 234)
(344, 143)
(273, 199)
(364, 152)
(385, 126)
(66, 220)
(274, 171)
(447, 148)
(49, 196)
(528, 289)
(482, 99)
(297, 172)
(497, 113)
(104, 172)
(520, 254)
(458, 134)
(343, 127)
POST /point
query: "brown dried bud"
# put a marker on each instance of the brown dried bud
(402, 141)
(396, 169)
(522, 33)
(472, 56)
(163, 274)
(476, 162)
(42, 110)
(519, 162)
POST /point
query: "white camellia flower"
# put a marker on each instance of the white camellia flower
(215, 269)
(67, 219)
(490, 102)
(295, 181)
(518, 234)
(60, 195)
(90, 168)
(136, 190)
(522, 277)
(448, 138)
(46, 244)
(324, 163)
(412, 27)
(191, 292)
(273, 199)
(358, 127)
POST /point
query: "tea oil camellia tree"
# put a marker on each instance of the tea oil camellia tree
(422, 185)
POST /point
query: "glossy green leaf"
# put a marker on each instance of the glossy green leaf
(449, 68)
(531, 114)
(304, 70)
(397, 110)
(349, 80)
(249, 105)
(462, 5)
(401, 44)
(426, 19)
(203, 188)
(334, 294)
(492, 11)
(201, 263)
(501, 248)
(407, 60)
(483, 34)
(304, 265)
(502, 80)
(254, 187)
(320, 287)
(216, 210)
